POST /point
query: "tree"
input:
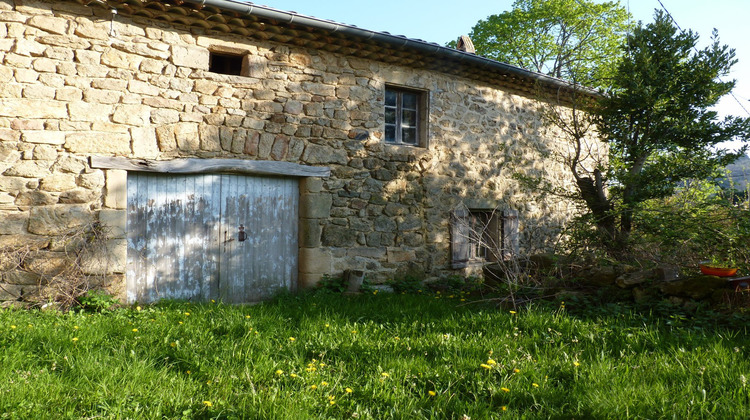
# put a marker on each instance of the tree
(575, 40)
(658, 121)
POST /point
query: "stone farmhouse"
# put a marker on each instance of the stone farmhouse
(217, 149)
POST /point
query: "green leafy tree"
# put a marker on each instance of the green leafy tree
(658, 120)
(575, 40)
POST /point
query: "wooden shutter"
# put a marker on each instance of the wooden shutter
(510, 233)
(460, 237)
(494, 236)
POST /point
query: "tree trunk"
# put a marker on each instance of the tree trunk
(592, 192)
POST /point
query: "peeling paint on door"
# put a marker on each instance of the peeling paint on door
(184, 237)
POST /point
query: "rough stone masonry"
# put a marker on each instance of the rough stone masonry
(76, 82)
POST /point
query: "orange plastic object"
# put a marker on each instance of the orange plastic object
(718, 271)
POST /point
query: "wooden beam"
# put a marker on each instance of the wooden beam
(201, 166)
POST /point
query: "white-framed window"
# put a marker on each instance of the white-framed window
(405, 116)
(480, 236)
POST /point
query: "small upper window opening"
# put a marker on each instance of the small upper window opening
(404, 116)
(223, 63)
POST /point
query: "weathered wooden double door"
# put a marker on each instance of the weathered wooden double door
(211, 236)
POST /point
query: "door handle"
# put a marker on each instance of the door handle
(241, 235)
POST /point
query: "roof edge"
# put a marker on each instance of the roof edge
(392, 40)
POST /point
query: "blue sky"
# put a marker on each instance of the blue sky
(443, 21)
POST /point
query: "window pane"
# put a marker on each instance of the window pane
(390, 115)
(409, 118)
(409, 100)
(390, 98)
(409, 135)
(390, 133)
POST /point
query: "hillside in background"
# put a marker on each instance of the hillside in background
(739, 174)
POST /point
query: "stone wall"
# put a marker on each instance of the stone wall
(76, 82)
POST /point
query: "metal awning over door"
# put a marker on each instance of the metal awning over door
(211, 236)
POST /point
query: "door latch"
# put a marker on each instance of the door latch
(241, 235)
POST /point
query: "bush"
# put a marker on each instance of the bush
(698, 223)
(332, 284)
(456, 283)
(407, 283)
(97, 301)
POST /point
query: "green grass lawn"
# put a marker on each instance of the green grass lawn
(370, 356)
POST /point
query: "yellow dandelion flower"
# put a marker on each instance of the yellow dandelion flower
(279, 372)
(504, 408)
(292, 339)
(208, 403)
(348, 390)
(332, 402)
(213, 301)
(324, 383)
(512, 312)
(12, 327)
(385, 374)
(322, 365)
(504, 389)
(375, 292)
(576, 364)
(310, 369)
(313, 387)
(491, 362)
(135, 329)
(328, 325)
(75, 339)
(331, 397)
(137, 308)
(486, 366)
(535, 385)
(75, 327)
(293, 375)
(188, 372)
(173, 344)
(463, 300)
(187, 313)
(247, 316)
(431, 393)
(516, 370)
(354, 331)
(180, 322)
(396, 338)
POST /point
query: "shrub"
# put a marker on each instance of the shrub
(97, 301)
(407, 283)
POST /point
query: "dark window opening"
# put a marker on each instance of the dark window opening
(404, 116)
(225, 64)
(483, 236)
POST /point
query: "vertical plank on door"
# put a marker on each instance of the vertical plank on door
(212, 222)
(226, 251)
(136, 232)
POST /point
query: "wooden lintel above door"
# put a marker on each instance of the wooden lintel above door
(210, 165)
